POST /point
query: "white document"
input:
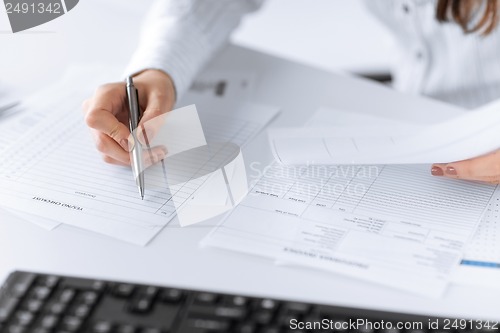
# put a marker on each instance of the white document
(12, 128)
(472, 134)
(391, 224)
(56, 173)
(481, 263)
(44, 223)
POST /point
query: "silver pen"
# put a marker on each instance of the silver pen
(133, 122)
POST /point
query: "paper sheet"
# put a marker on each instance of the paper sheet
(11, 130)
(472, 134)
(350, 219)
(56, 173)
(481, 262)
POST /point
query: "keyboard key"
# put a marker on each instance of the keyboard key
(22, 284)
(41, 293)
(126, 329)
(342, 326)
(89, 298)
(236, 313)
(7, 307)
(67, 296)
(246, 328)
(41, 330)
(58, 308)
(49, 322)
(16, 329)
(389, 330)
(263, 317)
(285, 318)
(102, 327)
(123, 290)
(172, 296)
(297, 307)
(150, 292)
(225, 312)
(24, 318)
(34, 306)
(209, 324)
(270, 330)
(49, 281)
(82, 311)
(151, 330)
(289, 330)
(239, 301)
(98, 286)
(71, 324)
(80, 284)
(207, 298)
(141, 305)
(268, 304)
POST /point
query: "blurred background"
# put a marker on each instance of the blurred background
(335, 35)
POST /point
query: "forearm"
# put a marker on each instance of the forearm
(179, 37)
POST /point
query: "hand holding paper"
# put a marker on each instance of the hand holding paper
(484, 168)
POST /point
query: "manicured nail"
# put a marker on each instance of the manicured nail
(451, 171)
(437, 171)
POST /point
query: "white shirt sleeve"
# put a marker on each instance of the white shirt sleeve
(180, 36)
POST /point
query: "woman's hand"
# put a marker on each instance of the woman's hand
(484, 168)
(106, 113)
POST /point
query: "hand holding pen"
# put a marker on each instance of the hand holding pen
(107, 114)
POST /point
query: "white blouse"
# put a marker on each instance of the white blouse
(437, 60)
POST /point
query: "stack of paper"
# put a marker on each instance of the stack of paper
(390, 224)
(54, 171)
(469, 135)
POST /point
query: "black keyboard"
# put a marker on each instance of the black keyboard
(41, 303)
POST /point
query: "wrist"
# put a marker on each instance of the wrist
(160, 80)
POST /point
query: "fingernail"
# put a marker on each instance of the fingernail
(451, 171)
(437, 171)
(124, 144)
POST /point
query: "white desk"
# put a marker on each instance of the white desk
(174, 257)
(109, 35)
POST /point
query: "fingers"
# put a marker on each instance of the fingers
(153, 156)
(484, 168)
(106, 113)
(102, 110)
(110, 160)
(153, 117)
(110, 148)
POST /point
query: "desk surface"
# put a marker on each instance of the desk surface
(174, 257)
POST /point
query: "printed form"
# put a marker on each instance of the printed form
(12, 128)
(480, 265)
(55, 172)
(389, 224)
